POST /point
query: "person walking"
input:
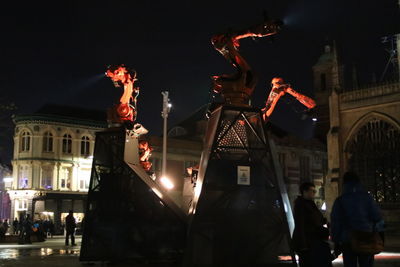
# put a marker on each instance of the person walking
(15, 226)
(70, 225)
(310, 237)
(355, 209)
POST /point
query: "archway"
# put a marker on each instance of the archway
(374, 153)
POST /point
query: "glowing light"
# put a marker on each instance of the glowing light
(8, 179)
(314, 119)
(169, 105)
(323, 207)
(166, 183)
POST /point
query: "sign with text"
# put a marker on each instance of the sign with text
(243, 175)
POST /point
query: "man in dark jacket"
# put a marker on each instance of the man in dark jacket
(15, 226)
(355, 209)
(70, 226)
(310, 236)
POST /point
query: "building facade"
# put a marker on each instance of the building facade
(52, 163)
(363, 133)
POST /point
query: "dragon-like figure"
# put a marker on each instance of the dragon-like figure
(123, 76)
(237, 88)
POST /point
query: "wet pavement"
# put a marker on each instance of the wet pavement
(54, 253)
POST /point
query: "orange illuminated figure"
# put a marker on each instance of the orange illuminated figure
(279, 89)
(122, 76)
(144, 154)
(237, 88)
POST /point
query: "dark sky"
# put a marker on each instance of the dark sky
(58, 53)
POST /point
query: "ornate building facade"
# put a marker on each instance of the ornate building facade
(53, 152)
(363, 133)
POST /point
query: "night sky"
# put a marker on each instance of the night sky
(59, 53)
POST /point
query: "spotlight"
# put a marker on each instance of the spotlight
(166, 182)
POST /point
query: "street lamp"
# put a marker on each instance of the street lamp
(166, 108)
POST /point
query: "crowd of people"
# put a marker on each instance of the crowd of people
(24, 228)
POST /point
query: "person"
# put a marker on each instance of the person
(355, 209)
(70, 226)
(310, 237)
(51, 228)
(15, 226)
(26, 230)
(2, 231)
(6, 226)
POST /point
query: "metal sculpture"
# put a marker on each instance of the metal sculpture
(237, 88)
(279, 89)
(122, 76)
(144, 155)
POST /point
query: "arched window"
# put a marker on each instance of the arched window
(374, 153)
(48, 142)
(67, 144)
(85, 146)
(25, 141)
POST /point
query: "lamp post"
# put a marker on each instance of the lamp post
(164, 114)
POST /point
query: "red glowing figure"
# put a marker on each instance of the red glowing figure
(144, 154)
(280, 88)
(122, 76)
(237, 88)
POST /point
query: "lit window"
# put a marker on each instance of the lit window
(22, 204)
(47, 178)
(85, 146)
(67, 144)
(65, 181)
(84, 179)
(23, 181)
(25, 141)
(47, 142)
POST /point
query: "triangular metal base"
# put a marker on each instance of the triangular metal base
(238, 217)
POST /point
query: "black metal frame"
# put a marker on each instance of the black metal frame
(233, 224)
(125, 220)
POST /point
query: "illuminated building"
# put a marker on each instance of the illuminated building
(53, 152)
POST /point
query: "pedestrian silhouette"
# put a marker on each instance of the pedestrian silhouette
(310, 237)
(70, 225)
(356, 210)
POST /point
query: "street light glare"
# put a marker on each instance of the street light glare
(166, 182)
(169, 105)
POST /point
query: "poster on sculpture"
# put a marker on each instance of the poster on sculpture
(244, 175)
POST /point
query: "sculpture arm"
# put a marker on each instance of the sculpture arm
(128, 90)
(305, 100)
(272, 100)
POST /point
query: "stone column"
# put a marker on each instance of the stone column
(333, 145)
